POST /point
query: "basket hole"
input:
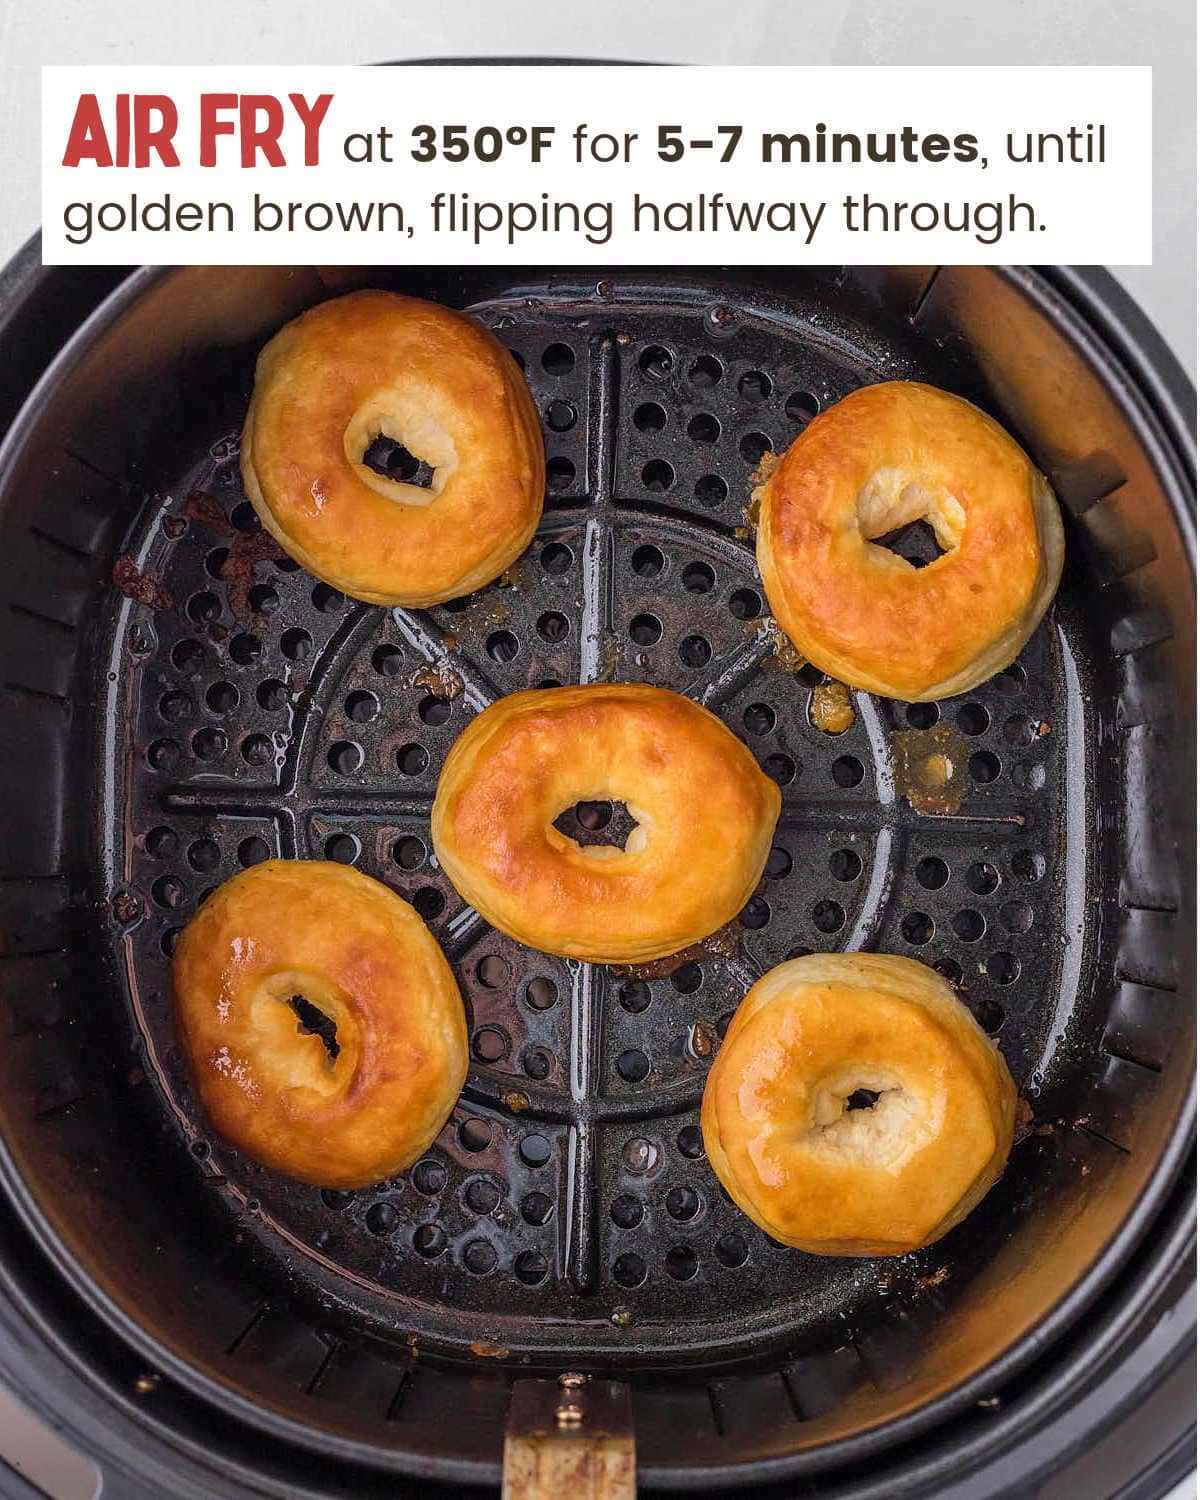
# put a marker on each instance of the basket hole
(984, 766)
(263, 599)
(801, 406)
(848, 771)
(326, 599)
(245, 518)
(215, 562)
(755, 386)
(1003, 968)
(916, 928)
(590, 823)
(388, 661)
(1016, 916)
(257, 750)
(204, 855)
(972, 718)
(968, 925)
(1029, 776)
(633, 1065)
(343, 848)
(561, 416)
(162, 842)
(687, 979)
(650, 417)
(163, 754)
(409, 853)
(175, 706)
(655, 362)
(531, 1267)
(482, 1196)
(169, 940)
(429, 1177)
(1011, 681)
(755, 914)
(311, 1020)
(645, 630)
(490, 1044)
(168, 892)
(345, 757)
(634, 996)
(779, 863)
(629, 1269)
(536, 1208)
(245, 649)
(732, 1250)
(362, 707)
(698, 578)
(558, 359)
(683, 1203)
(780, 768)
(932, 873)
(204, 608)
(753, 446)
(392, 460)
(272, 695)
(704, 428)
(845, 865)
(862, 1099)
(745, 604)
(690, 1141)
(759, 718)
(429, 902)
(982, 878)
(493, 972)
(253, 851)
(695, 651)
(950, 969)
(553, 626)
(411, 760)
(647, 561)
(556, 559)
(705, 371)
(626, 1211)
(1020, 731)
(541, 993)
(475, 1135)
(1027, 865)
(640, 1156)
(296, 644)
(681, 1262)
(828, 916)
(188, 657)
(382, 1217)
(502, 646)
(429, 1240)
(922, 715)
(560, 472)
(658, 475)
(209, 744)
(711, 490)
(990, 1015)
(537, 1063)
(535, 1150)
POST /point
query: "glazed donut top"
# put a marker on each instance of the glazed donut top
(373, 363)
(346, 947)
(833, 1179)
(704, 810)
(883, 457)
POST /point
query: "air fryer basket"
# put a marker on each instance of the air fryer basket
(157, 739)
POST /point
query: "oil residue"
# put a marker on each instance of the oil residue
(830, 708)
(930, 767)
(720, 944)
(783, 655)
(439, 679)
(611, 653)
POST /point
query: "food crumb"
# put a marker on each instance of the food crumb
(142, 588)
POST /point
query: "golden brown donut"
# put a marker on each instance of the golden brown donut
(881, 458)
(373, 363)
(879, 1180)
(358, 953)
(705, 815)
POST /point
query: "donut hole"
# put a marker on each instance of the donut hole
(311, 1020)
(870, 1118)
(598, 826)
(906, 514)
(400, 448)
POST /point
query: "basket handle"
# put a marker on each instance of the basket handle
(569, 1437)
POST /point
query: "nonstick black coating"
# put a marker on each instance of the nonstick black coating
(566, 1213)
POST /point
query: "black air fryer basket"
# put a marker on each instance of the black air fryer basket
(169, 716)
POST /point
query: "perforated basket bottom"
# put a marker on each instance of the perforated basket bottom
(567, 1208)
